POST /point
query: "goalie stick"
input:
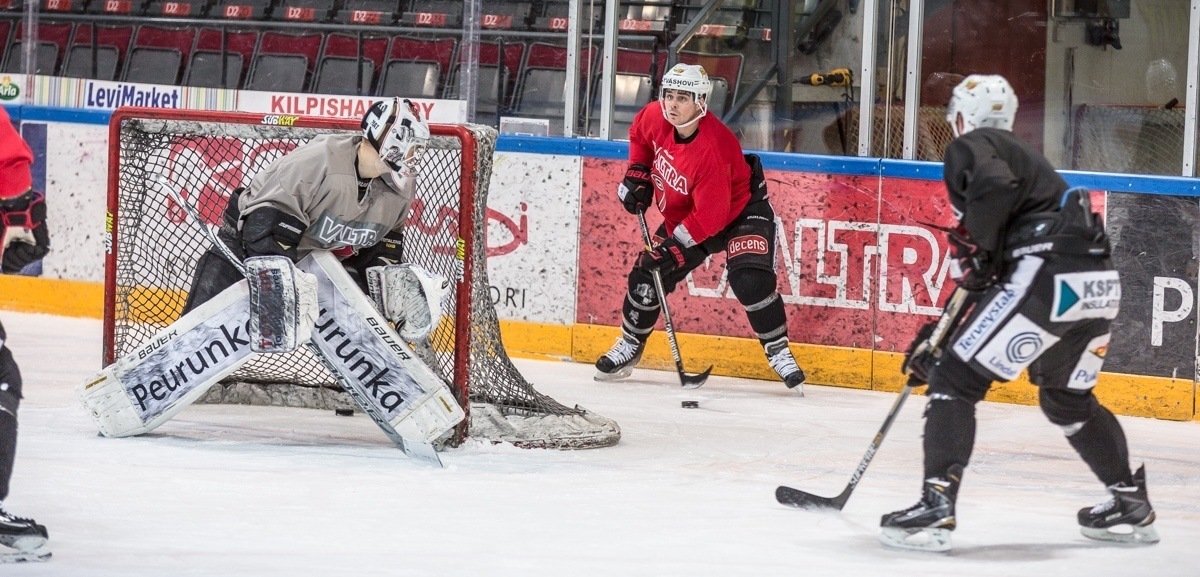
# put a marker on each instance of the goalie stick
(685, 380)
(804, 500)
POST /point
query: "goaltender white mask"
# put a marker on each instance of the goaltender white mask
(982, 100)
(395, 130)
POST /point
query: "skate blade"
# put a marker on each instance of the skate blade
(933, 540)
(613, 376)
(1137, 535)
(28, 549)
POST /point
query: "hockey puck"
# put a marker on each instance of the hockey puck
(344, 412)
(690, 404)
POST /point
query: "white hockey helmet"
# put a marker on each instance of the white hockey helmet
(688, 78)
(395, 129)
(982, 100)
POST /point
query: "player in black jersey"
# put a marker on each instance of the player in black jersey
(1044, 294)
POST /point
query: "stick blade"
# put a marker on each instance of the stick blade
(802, 500)
(694, 381)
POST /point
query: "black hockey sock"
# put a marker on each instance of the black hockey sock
(1101, 443)
(949, 434)
(8, 439)
(755, 289)
(639, 310)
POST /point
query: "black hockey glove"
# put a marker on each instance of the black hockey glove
(665, 257)
(919, 358)
(973, 268)
(269, 231)
(636, 191)
(27, 211)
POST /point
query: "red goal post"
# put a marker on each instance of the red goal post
(152, 247)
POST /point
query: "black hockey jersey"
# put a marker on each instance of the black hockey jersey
(993, 177)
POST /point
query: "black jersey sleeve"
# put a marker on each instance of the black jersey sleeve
(983, 189)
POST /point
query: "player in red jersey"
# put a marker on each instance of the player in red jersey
(712, 198)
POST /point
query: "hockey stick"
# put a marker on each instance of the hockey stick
(686, 380)
(195, 214)
(801, 499)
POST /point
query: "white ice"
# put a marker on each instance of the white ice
(257, 491)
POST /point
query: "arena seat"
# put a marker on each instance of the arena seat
(204, 68)
(496, 80)
(303, 10)
(414, 67)
(53, 39)
(432, 14)
(380, 12)
(341, 60)
(540, 89)
(284, 62)
(158, 54)
(111, 44)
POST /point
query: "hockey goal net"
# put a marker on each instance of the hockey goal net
(153, 246)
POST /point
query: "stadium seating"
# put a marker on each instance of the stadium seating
(117, 7)
(235, 47)
(53, 39)
(380, 12)
(177, 8)
(158, 54)
(241, 9)
(540, 91)
(99, 58)
(495, 82)
(343, 59)
(432, 14)
(304, 10)
(414, 67)
(284, 62)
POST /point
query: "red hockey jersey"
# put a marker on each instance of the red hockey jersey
(702, 183)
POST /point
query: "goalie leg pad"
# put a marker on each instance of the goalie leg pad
(283, 304)
(409, 296)
(151, 384)
(380, 371)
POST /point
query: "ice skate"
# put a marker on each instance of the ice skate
(925, 526)
(1125, 518)
(781, 359)
(619, 361)
(25, 538)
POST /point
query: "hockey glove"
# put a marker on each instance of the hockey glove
(636, 191)
(973, 268)
(270, 231)
(27, 212)
(664, 258)
(388, 251)
(919, 359)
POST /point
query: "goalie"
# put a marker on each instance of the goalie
(345, 193)
(334, 209)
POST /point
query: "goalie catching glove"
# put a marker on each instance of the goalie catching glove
(409, 296)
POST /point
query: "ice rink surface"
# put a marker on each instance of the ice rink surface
(262, 491)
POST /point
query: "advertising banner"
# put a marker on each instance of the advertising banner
(837, 238)
(1155, 249)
